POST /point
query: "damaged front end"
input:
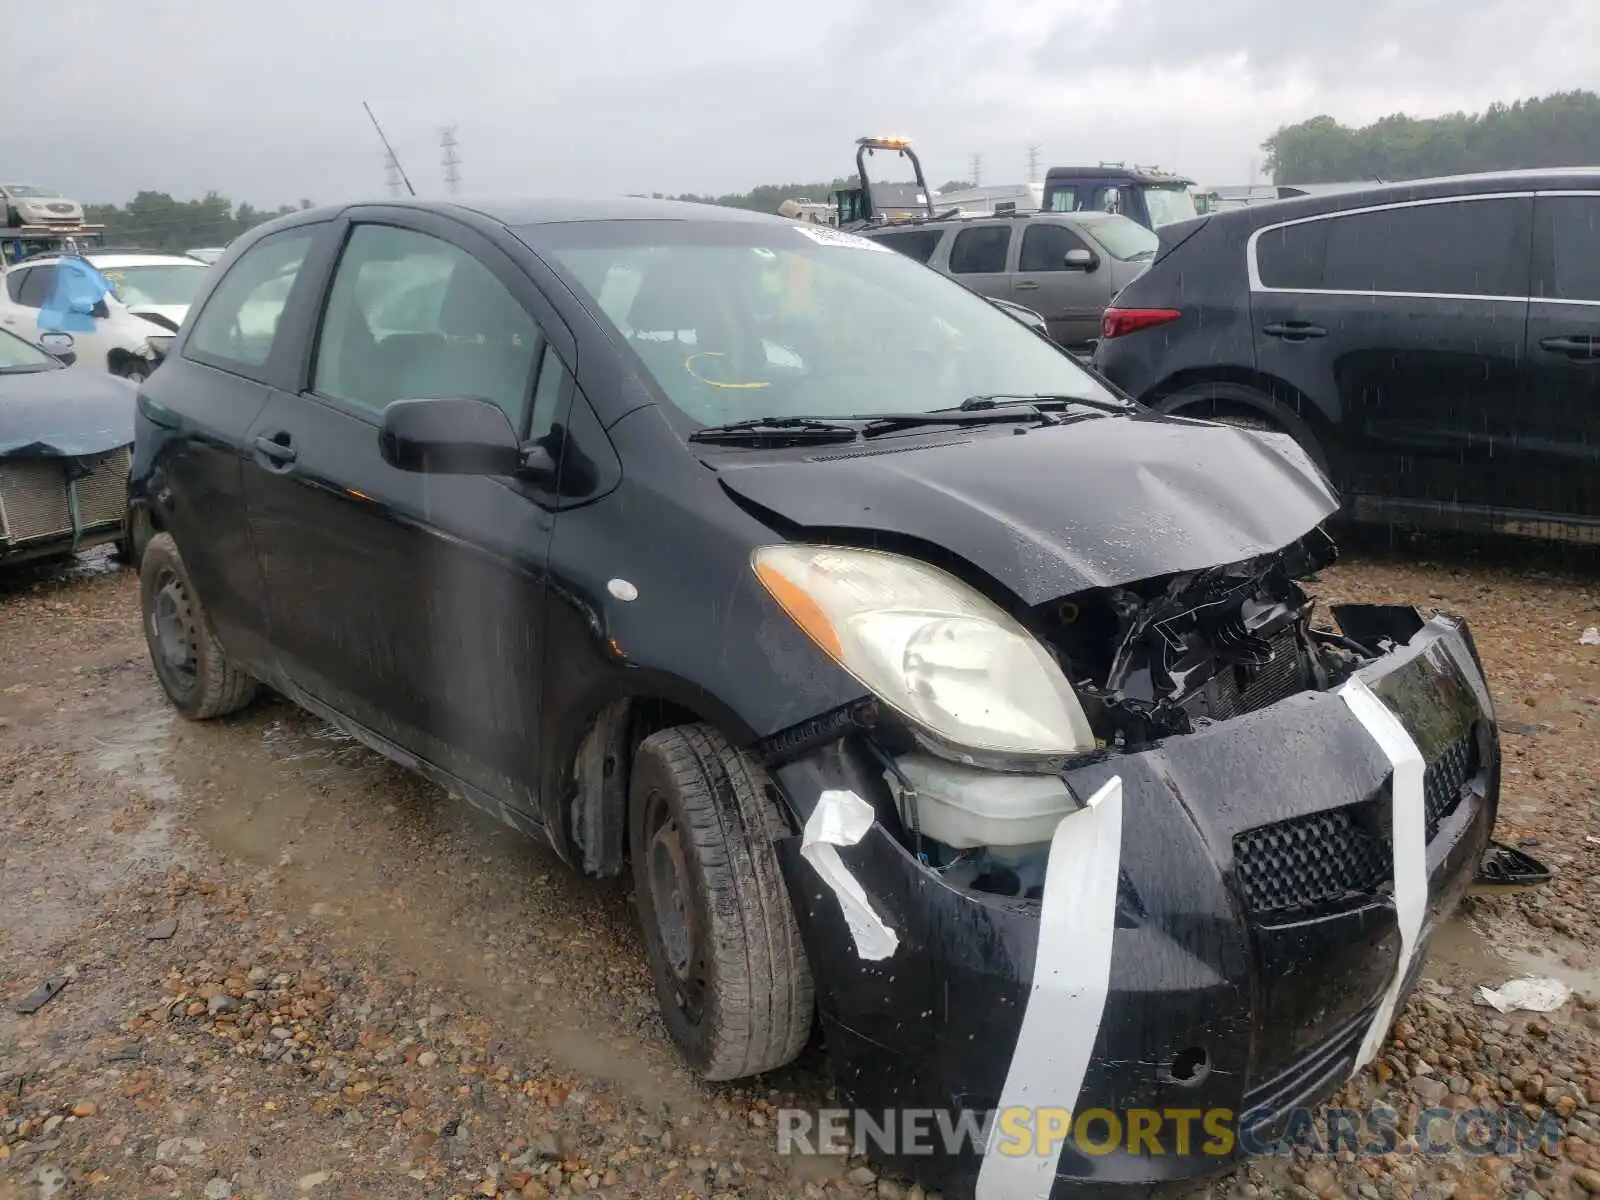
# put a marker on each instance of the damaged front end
(1213, 905)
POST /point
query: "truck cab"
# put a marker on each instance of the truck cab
(1147, 195)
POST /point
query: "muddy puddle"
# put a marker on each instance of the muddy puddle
(1474, 947)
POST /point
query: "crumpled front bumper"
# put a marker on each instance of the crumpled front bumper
(1255, 941)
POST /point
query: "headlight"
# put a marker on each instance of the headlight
(941, 653)
(160, 343)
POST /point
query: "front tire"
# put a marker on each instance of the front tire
(730, 972)
(188, 660)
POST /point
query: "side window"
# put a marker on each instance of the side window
(980, 250)
(1569, 241)
(1064, 200)
(36, 287)
(239, 323)
(14, 282)
(918, 244)
(381, 341)
(1291, 257)
(1464, 248)
(1045, 246)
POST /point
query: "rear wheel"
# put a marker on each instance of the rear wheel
(1243, 407)
(188, 660)
(135, 370)
(730, 973)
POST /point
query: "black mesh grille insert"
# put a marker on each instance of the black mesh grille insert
(1310, 861)
(1445, 777)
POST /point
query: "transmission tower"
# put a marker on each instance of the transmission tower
(392, 167)
(1033, 162)
(977, 169)
(450, 159)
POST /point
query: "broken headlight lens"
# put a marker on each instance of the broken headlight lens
(935, 649)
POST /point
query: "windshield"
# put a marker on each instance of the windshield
(168, 283)
(1169, 204)
(1124, 239)
(28, 190)
(736, 320)
(17, 356)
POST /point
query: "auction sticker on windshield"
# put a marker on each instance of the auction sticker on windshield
(824, 235)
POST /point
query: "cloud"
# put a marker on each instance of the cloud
(263, 103)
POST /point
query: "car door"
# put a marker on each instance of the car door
(413, 604)
(1561, 404)
(1071, 298)
(191, 464)
(980, 257)
(1404, 325)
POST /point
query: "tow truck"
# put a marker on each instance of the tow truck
(873, 204)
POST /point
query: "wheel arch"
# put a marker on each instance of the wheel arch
(593, 763)
(1245, 390)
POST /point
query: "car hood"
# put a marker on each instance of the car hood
(1097, 503)
(62, 414)
(163, 315)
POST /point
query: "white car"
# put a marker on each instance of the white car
(133, 326)
(207, 254)
(28, 204)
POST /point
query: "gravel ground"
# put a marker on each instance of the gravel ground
(291, 969)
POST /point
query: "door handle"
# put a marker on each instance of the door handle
(275, 451)
(1582, 346)
(1294, 331)
(1026, 285)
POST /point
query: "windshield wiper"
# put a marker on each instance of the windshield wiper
(765, 429)
(1051, 401)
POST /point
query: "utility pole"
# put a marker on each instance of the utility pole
(450, 159)
(1033, 162)
(977, 169)
(392, 167)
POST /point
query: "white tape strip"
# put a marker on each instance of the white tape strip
(842, 818)
(1410, 844)
(1071, 979)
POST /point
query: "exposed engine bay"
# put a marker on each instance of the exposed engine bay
(1152, 660)
(1165, 657)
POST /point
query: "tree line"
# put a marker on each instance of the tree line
(156, 221)
(1559, 130)
(1562, 129)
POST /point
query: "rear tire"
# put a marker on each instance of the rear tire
(730, 972)
(135, 370)
(188, 659)
(1243, 407)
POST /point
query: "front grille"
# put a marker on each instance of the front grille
(37, 495)
(1309, 862)
(1445, 778)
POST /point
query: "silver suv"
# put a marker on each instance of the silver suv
(1065, 266)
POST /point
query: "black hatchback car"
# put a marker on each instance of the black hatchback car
(924, 683)
(1435, 344)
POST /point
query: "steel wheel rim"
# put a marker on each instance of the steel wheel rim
(174, 630)
(672, 906)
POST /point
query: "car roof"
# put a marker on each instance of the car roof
(1271, 212)
(1132, 174)
(513, 212)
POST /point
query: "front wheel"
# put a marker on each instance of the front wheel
(188, 659)
(730, 973)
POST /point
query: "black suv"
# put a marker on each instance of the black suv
(1435, 344)
(925, 683)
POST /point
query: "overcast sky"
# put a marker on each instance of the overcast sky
(262, 102)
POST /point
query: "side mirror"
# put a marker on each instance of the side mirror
(1081, 260)
(456, 435)
(101, 311)
(58, 346)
